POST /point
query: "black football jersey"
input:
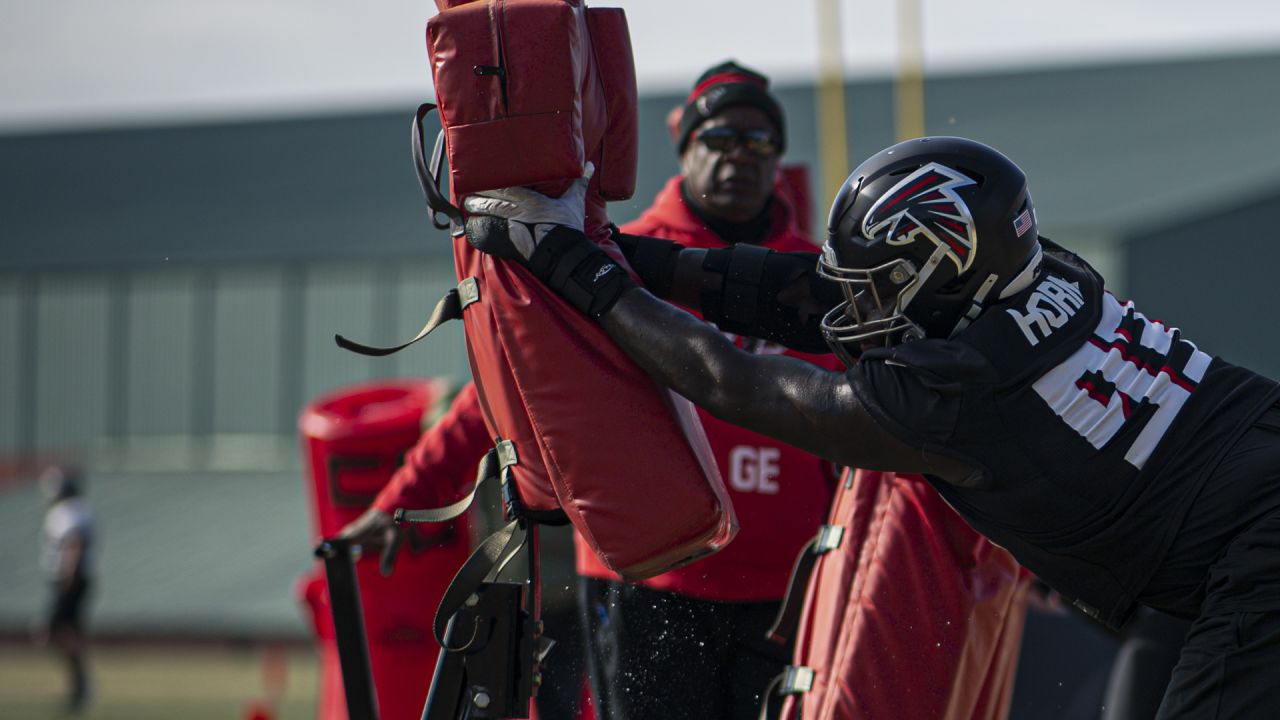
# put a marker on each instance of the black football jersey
(1092, 427)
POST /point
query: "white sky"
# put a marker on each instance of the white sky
(94, 62)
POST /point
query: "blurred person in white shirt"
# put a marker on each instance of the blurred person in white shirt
(66, 557)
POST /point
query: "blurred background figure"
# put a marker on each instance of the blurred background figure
(66, 556)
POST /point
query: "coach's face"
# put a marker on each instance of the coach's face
(730, 163)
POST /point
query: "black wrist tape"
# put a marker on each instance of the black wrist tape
(579, 271)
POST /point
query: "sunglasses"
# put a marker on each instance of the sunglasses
(723, 139)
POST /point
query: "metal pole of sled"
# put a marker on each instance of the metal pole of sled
(493, 642)
(445, 697)
(348, 625)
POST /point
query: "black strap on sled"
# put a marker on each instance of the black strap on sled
(448, 308)
(493, 677)
(489, 631)
(429, 176)
(492, 555)
(783, 630)
(795, 680)
(451, 305)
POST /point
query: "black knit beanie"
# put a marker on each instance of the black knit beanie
(726, 85)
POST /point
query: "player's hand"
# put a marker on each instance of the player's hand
(526, 216)
(375, 529)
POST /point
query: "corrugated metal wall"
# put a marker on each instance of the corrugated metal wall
(71, 358)
(86, 355)
(161, 370)
(13, 375)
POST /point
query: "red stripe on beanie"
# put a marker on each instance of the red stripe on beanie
(727, 77)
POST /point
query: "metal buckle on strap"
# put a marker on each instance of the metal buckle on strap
(1086, 608)
(798, 680)
(829, 538)
(469, 291)
(507, 454)
(507, 458)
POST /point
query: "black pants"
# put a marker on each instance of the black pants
(1149, 649)
(654, 654)
(66, 609)
(1230, 664)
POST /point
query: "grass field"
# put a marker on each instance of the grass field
(203, 683)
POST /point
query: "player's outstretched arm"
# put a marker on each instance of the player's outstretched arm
(782, 397)
(775, 395)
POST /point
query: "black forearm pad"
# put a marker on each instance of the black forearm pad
(579, 271)
(654, 260)
(744, 288)
(747, 301)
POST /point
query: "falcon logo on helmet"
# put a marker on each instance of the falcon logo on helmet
(925, 204)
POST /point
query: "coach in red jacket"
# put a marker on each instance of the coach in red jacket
(689, 643)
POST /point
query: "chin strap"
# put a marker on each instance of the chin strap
(1020, 282)
(1026, 276)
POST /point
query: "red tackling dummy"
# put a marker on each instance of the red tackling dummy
(353, 439)
(528, 91)
(908, 614)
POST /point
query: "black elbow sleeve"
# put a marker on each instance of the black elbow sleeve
(652, 259)
(761, 293)
(750, 299)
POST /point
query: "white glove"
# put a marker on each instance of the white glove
(531, 215)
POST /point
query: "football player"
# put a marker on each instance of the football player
(1108, 453)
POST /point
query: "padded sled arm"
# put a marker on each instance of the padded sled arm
(743, 289)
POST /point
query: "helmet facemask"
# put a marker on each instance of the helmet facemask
(872, 312)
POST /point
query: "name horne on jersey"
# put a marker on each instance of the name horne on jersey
(1048, 307)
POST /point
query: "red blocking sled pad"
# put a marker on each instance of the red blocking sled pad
(528, 91)
(912, 615)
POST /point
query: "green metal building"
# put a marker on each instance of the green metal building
(168, 295)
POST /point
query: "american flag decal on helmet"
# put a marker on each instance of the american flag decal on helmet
(1022, 223)
(925, 204)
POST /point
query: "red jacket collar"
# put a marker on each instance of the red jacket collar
(669, 214)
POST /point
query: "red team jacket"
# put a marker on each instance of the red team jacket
(780, 494)
(441, 465)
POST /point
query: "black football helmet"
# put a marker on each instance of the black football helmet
(921, 236)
